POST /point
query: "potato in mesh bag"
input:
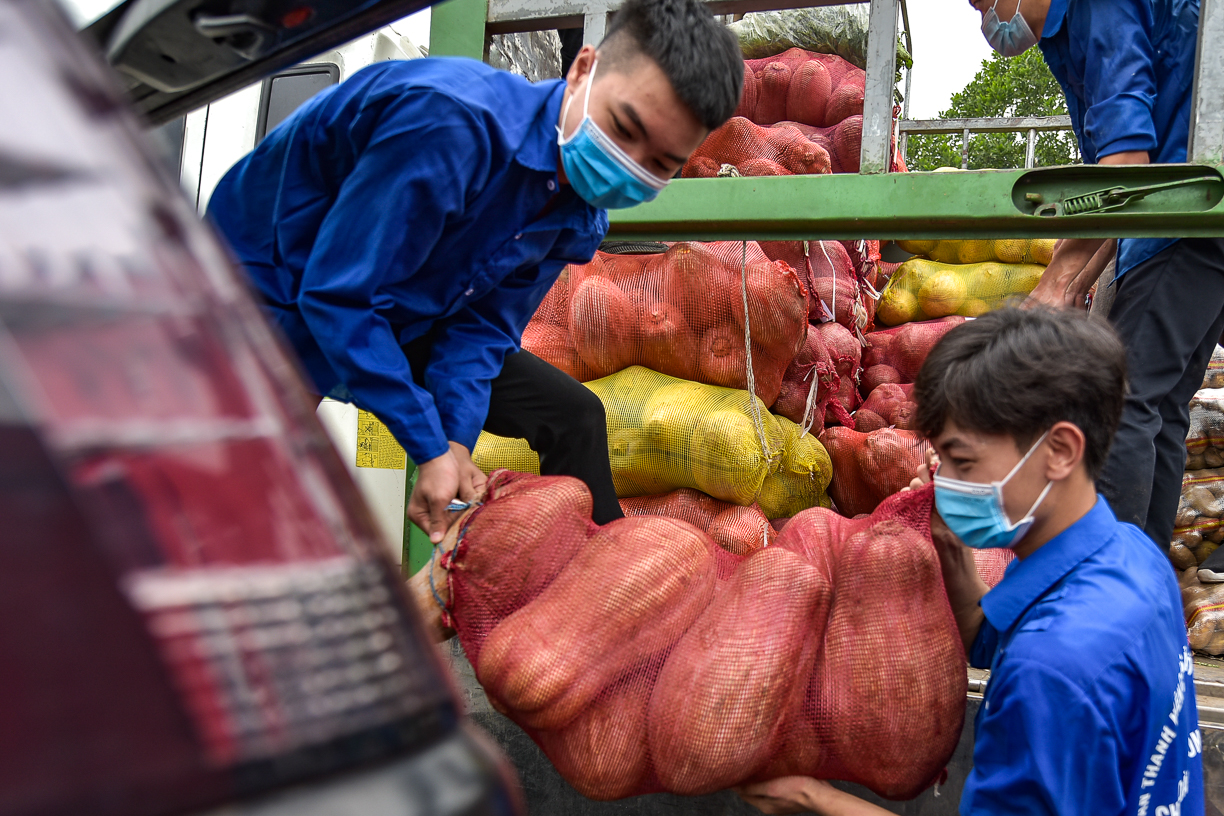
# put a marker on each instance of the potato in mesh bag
(1006, 250)
(1203, 605)
(1205, 439)
(1199, 526)
(923, 290)
(1214, 378)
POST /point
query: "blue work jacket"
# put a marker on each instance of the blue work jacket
(1090, 705)
(415, 197)
(1127, 70)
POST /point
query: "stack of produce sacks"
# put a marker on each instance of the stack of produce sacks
(1199, 527)
(665, 433)
(966, 278)
(738, 530)
(643, 658)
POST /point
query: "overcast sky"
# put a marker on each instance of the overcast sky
(948, 46)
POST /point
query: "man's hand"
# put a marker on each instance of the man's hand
(801, 794)
(1075, 267)
(437, 486)
(471, 478)
(964, 586)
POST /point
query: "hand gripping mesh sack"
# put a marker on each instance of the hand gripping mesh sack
(753, 150)
(679, 313)
(1205, 439)
(665, 433)
(889, 405)
(1199, 525)
(922, 289)
(1005, 250)
(895, 355)
(870, 467)
(637, 669)
(738, 530)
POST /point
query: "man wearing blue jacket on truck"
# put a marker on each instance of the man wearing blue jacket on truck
(1127, 70)
(403, 227)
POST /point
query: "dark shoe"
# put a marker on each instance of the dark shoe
(1211, 571)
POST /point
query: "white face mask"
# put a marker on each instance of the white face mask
(1011, 39)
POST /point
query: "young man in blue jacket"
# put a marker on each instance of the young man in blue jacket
(403, 227)
(1127, 70)
(1090, 705)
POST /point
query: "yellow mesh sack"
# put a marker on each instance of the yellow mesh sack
(1004, 250)
(665, 433)
(924, 290)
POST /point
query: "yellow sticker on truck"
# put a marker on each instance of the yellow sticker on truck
(376, 447)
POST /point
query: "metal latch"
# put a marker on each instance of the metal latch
(1112, 198)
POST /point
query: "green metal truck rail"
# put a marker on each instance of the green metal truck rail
(964, 204)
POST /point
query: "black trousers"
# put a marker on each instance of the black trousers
(559, 417)
(1169, 311)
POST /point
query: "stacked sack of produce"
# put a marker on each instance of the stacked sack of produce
(966, 278)
(666, 433)
(738, 530)
(641, 657)
(1199, 528)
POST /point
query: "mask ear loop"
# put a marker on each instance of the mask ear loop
(998, 487)
(586, 106)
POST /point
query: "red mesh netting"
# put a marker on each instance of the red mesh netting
(992, 563)
(813, 362)
(869, 467)
(889, 405)
(895, 355)
(738, 530)
(679, 313)
(758, 151)
(801, 86)
(637, 669)
(846, 353)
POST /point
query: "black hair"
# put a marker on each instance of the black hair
(700, 56)
(1018, 372)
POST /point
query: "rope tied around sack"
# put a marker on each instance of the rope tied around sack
(448, 559)
(750, 374)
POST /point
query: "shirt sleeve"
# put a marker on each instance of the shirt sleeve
(1042, 747)
(471, 346)
(424, 156)
(1119, 74)
(985, 644)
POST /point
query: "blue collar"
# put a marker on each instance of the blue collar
(539, 148)
(1054, 18)
(1026, 581)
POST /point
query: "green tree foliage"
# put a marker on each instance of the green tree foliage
(1021, 86)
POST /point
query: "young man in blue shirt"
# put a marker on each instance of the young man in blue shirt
(1127, 70)
(1090, 704)
(403, 227)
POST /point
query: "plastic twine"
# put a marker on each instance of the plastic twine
(751, 375)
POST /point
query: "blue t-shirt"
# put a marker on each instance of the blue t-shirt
(416, 196)
(1090, 705)
(1127, 70)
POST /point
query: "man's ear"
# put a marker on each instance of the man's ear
(1066, 443)
(580, 67)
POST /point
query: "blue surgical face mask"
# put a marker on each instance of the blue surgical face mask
(1010, 39)
(598, 170)
(974, 512)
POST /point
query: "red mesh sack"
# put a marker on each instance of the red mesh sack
(869, 467)
(680, 313)
(889, 405)
(992, 564)
(757, 151)
(813, 367)
(802, 86)
(842, 141)
(738, 530)
(636, 670)
(895, 355)
(846, 353)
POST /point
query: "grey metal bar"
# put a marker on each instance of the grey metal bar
(987, 125)
(510, 16)
(1030, 154)
(1207, 105)
(594, 26)
(881, 81)
(965, 149)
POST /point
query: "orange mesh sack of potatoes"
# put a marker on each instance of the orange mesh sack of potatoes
(753, 150)
(870, 467)
(1199, 526)
(1203, 605)
(1005, 250)
(680, 313)
(637, 669)
(738, 530)
(889, 405)
(1205, 439)
(818, 90)
(923, 290)
(665, 433)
